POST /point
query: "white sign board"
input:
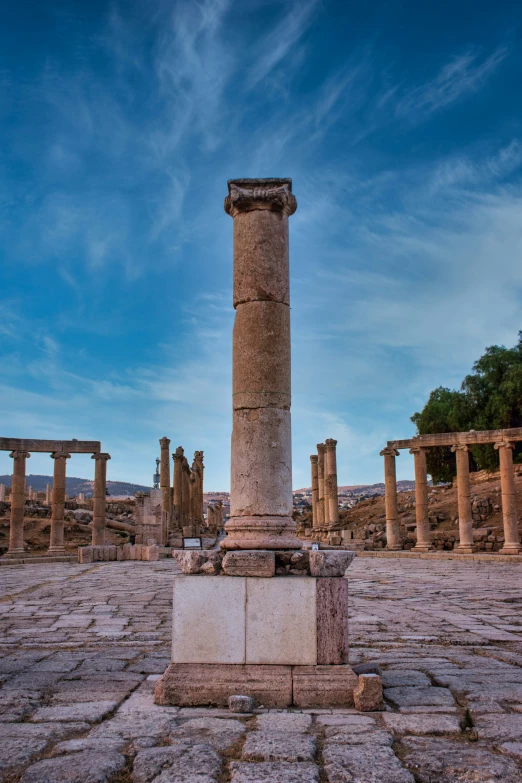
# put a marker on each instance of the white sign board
(192, 543)
(315, 547)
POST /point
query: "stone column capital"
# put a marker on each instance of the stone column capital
(198, 457)
(314, 458)
(419, 449)
(178, 455)
(60, 455)
(101, 455)
(164, 442)
(388, 451)
(460, 447)
(321, 448)
(247, 195)
(330, 444)
(508, 444)
(19, 454)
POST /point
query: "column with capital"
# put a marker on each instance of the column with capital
(421, 500)
(56, 546)
(465, 545)
(509, 505)
(165, 485)
(393, 536)
(322, 513)
(198, 459)
(185, 507)
(16, 530)
(261, 460)
(48, 495)
(177, 521)
(99, 498)
(315, 488)
(330, 482)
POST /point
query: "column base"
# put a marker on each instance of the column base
(273, 686)
(394, 548)
(465, 549)
(56, 550)
(263, 532)
(511, 549)
(15, 552)
(422, 548)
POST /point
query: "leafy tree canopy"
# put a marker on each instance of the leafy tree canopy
(490, 398)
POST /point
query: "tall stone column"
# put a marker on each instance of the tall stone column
(198, 459)
(315, 488)
(331, 491)
(178, 457)
(465, 544)
(321, 503)
(393, 536)
(509, 506)
(261, 483)
(56, 546)
(421, 500)
(48, 495)
(185, 499)
(16, 530)
(99, 498)
(193, 478)
(165, 476)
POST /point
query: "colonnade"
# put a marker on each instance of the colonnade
(503, 441)
(182, 504)
(60, 453)
(325, 495)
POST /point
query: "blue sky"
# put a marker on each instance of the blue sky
(400, 124)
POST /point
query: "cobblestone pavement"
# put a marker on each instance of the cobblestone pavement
(81, 647)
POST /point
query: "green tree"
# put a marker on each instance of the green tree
(490, 398)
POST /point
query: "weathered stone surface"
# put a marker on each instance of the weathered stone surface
(274, 772)
(323, 686)
(364, 764)
(512, 749)
(367, 668)
(87, 711)
(368, 693)
(284, 721)
(241, 704)
(182, 762)
(278, 746)
(324, 562)
(421, 723)
(249, 563)
(332, 620)
(82, 767)
(397, 678)
(221, 733)
(19, 750)
(419, 697)
(456, 762)
(132, 725)
(89, 743)
(345, 735)
(505, 729)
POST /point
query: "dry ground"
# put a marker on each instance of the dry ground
(82, 646)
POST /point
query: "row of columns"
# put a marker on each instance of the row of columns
(325, 495)
(465, 545)
(182, 505)
(31, 495)
(56, 546)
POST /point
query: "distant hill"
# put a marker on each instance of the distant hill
(76, 485)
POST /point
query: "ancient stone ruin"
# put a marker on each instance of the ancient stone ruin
(325, 496)
(503, 440)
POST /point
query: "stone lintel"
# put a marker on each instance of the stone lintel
(30, 444)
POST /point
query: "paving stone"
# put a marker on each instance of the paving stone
(83, 767)
(89, 743)
(364, 764)
(274, 772)
(135, 725)
(181, 762)
(281, 721)
(344, 735)
(356, 723)
(508, 728)
(398, 677)
(278, 746)
(16, 751)
(419, 696)
(512, 749)
(445, 761)
(89, 711)
(222, 734)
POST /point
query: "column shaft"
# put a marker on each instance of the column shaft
(56, 544)
(421, 500)
(331, 490)
(16, 529)
(185, 510)
(261, 465)
(509, 505)
(99, 498)
(321, 504)
(393, 536)
(315, 488)
(465, 544)
(178, 488)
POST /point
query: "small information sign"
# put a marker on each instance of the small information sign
(193, 542)
(315, 546)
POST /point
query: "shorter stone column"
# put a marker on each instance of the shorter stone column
(56, 545)
(421, 500)
(185, 509)
(465, 545)
(509, 506)
(48, 495)
(177, 511)
(314, 459)
(166, 509)
(99, 498)
(2, 493)
(330, 482)
(393, 536)
(16, 530)
(198, 459)
(321, 502)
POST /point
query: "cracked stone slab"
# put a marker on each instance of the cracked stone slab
(278, 746)
(507, 728)
(274, 772)
(419, 697)
(364, 764)
(281, 721)
(445, 761)
(83, 711)
(343, 735)
(221, 733)
(182, 762)
(421, 723)
(82, 767)
(396, 678)
(134, 725)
